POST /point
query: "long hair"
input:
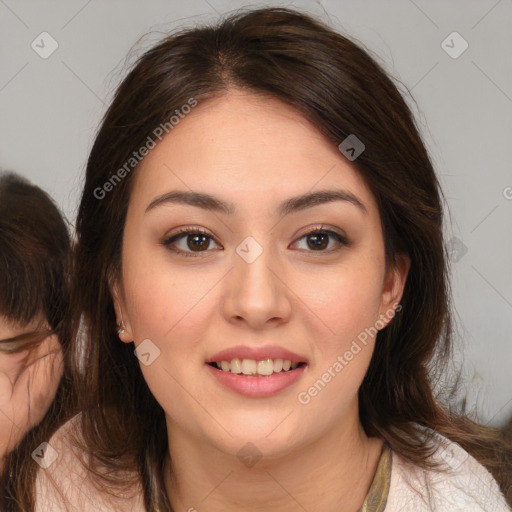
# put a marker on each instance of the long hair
(34, 254)
(338, 86)
(35, 261)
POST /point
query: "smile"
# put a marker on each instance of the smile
(252, 367)
(256, 385)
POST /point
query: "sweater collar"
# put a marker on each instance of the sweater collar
(377, 495)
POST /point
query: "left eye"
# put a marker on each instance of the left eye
(318, 239)
(199, 241)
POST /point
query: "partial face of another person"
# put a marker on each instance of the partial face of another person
(253, 277)
(28, 382)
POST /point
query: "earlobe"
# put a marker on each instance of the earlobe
(123, 328)
(394, 286)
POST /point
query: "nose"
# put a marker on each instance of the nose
(256, 292)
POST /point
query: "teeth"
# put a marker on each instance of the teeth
(253, 367)
(248, 366)
(236, 366)
(265, 367)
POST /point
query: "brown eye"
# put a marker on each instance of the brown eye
(197, 241)
(318, 240)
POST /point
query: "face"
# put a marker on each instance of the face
(308, 280)
(28, 383)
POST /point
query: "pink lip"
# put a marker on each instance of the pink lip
(258, 354)
(257, 386)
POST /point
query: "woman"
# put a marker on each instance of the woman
(34, 253)
(262, 281)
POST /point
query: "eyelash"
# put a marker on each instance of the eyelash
(193, 231)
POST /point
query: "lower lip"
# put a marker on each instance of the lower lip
(257, 387)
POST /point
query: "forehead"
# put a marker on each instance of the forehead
(246, 147)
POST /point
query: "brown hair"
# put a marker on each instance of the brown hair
(34, 280)
(34, 251)
(342, 90)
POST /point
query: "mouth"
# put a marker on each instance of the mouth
(257, 372)
(257, 378)
(256, 368)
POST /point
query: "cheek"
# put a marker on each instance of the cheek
(354, 309)
(162, 302)
(345, 305)
(169, 309)
(12, 364)
(344, 354)
(341, 302)
(26, 402)
(46, 380)
(150, 293)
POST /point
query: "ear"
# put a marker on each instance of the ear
(393, 287)
(120, 309)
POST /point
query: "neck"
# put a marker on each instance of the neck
(332, 473)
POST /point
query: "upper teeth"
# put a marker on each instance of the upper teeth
(253, 367)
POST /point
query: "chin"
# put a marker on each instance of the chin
(256, 442)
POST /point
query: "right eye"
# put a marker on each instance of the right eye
(196, 239)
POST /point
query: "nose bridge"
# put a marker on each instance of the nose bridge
(256, 293)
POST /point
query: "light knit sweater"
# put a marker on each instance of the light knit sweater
(468, 486)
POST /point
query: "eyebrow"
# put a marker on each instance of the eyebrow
(294, 204)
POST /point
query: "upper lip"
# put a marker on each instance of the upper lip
(259, 354)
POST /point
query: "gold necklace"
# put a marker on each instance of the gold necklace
(377, 496)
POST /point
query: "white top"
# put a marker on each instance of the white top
(469, 487)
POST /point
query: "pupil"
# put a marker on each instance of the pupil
(316, 244)
(203, 246)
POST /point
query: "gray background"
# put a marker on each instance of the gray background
(50, 109)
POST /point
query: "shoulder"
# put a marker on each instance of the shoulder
(63, 482)
(466, 485)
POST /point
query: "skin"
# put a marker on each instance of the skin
(256, 152)
(28, 383)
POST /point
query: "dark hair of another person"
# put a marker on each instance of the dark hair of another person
(34, 282)
(34, 252)
(287, 55)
